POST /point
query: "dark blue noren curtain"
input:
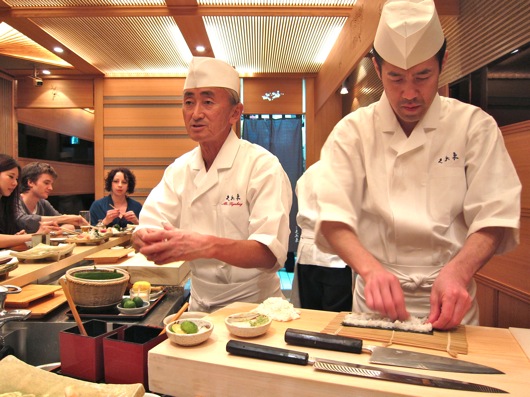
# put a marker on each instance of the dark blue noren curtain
(283, 138)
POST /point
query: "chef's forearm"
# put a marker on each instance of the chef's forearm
(346, 244)
(240, 253)
(475, 253)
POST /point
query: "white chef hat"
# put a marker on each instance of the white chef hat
(211, 72)
(409, 32)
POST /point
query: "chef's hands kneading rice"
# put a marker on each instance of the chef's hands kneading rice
(278, 309)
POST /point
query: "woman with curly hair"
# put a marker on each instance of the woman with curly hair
(117, 208)
(10, 236)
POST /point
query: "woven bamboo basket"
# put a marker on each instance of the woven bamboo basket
(96, 293)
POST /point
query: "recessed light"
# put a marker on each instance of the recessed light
(45, 71)
(58, 50)
(200, 48)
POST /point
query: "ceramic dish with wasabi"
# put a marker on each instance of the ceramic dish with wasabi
(248, 324)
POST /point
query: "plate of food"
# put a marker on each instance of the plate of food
(44, 251)
(93, 236)
(7, 263)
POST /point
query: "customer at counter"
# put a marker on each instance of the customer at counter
(10, 235)
(224, 206)
(321, 281)
(117, 208)
(417, 191)
(36, 184)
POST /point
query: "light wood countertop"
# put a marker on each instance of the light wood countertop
(208, 370)
(27, 273)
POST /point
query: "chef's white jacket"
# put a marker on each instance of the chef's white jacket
(413, 201)
(245, 195)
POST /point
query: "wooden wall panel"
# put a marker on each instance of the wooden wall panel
(72, 178)
(55, 94)
(289, 100)
(135, 149)
(513, 312)
(71, 122)
(143, 116)
(147, 89)
(141, 128)
(487, 299)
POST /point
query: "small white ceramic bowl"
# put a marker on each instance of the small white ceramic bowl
(205, 330)
(248, 324)
(133, 310)
(185, 316)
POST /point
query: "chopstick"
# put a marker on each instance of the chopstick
(64, 229)
(73, 309)
(176, 317)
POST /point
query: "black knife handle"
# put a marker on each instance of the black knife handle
(254, 350)
(320, 340)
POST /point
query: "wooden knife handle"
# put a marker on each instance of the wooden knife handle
(320, 340)
(263, 352)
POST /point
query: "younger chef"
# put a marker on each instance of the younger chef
(224, 206)
(417, 191)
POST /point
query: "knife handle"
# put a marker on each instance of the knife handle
(263, 352)
(320, 340)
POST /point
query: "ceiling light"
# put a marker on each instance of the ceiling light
(45, 71)
(200, 48)
(58, 50)
(344, 89)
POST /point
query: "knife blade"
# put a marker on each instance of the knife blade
(385, 355)
(263, 352)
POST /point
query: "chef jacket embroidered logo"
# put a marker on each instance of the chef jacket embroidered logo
(232, 200)
(447, 158)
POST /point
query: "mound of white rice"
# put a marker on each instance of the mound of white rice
(374, 320)
(278, 309)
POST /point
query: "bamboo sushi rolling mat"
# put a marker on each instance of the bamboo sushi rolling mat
(453, 341)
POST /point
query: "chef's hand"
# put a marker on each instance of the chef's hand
(131, 217)
(384, 294)
(450, 300)
(170, 245)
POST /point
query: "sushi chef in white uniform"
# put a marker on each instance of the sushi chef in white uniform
(417, 190)
(224, 206)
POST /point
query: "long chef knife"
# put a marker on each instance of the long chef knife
(254, 350)
(384, 355)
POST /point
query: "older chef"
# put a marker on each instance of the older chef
(224, 206)
(417, 191)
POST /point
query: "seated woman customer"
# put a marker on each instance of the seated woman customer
(10, 235)
(117, 208)
(36, 184)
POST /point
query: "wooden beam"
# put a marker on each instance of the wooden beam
(192, 29)
(353, 43)
(175, 8)
(39, 36)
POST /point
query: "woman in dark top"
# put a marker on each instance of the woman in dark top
(10, 236)
(117, 207)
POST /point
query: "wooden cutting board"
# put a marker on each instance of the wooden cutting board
(43, 306)
(29, 294)
(109, 255)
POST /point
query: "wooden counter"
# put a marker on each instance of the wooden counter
(27, 273)
(208, 370)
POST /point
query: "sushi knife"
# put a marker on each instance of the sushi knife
(384, 355)
(263, 352)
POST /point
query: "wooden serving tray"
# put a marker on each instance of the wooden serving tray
(453, 342)
(29, 294)
(109, 255)
(43, 306)
(84, 241)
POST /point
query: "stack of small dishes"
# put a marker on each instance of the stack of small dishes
(203, 330)
(248, 324)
